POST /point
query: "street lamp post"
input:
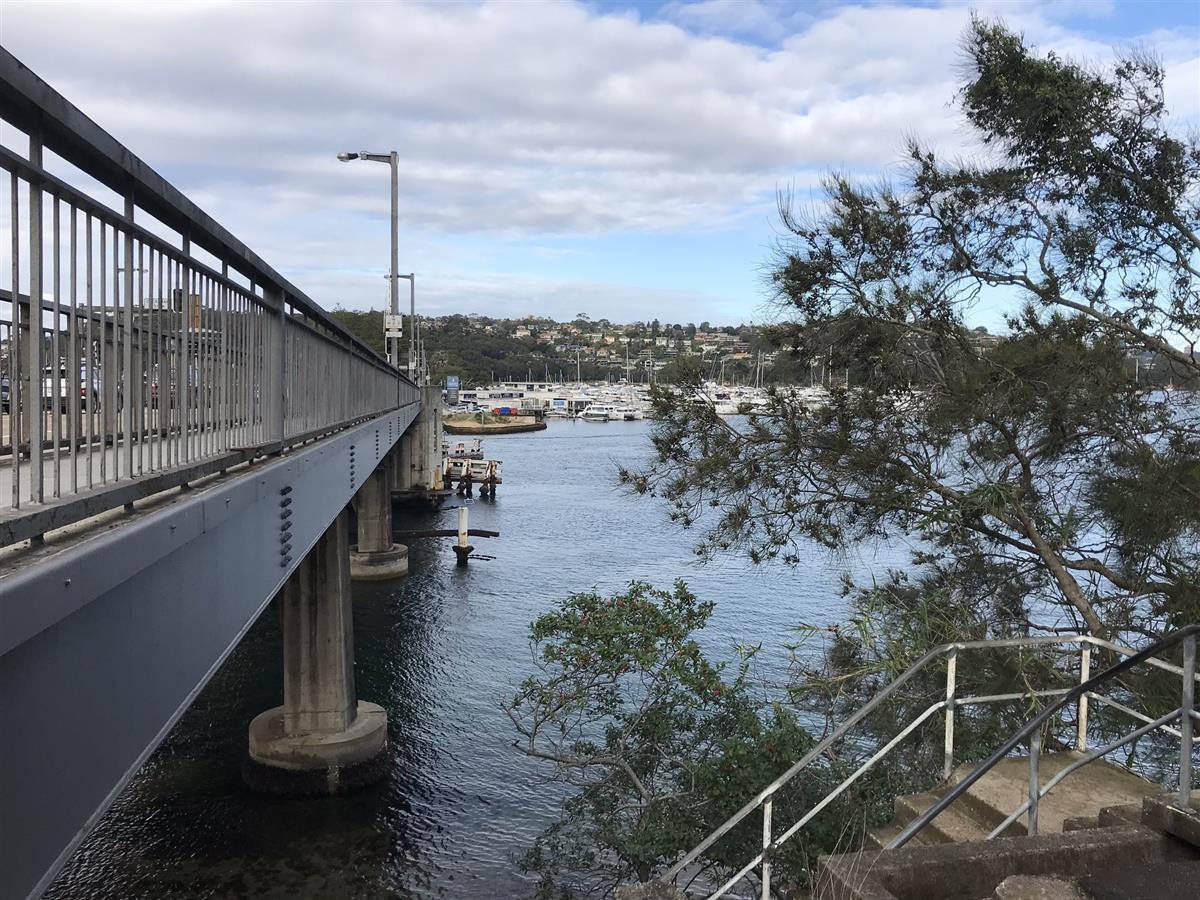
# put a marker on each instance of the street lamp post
(393, 159)
(412, 325)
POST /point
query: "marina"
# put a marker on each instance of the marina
(620, 402)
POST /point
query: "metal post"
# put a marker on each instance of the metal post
(951, 674)
(1035, 755)
(1186, 728)
(412, 324)
(394, 159)
(274, 368)
(1085, 672)
(128, 393)
(766, 849)
(281, 415)
(34, 400)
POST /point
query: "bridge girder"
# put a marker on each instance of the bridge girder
(104, 644)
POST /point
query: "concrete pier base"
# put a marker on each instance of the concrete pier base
(463, 553)
(317, 762)
(322, 739)
(379, 565)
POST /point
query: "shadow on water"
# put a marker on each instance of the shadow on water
(438, 650)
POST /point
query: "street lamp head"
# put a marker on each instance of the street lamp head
(346, 157)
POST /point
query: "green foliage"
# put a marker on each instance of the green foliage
(475, 351)
(662, 744)
(1037, 459)
(895, 621)
(683, 369)
(1043, 486)
(367, 326)
(480, 350)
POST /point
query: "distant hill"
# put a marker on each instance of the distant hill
(480, 350)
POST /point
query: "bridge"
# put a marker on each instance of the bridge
(183, 436)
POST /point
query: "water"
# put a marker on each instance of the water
(438, 650)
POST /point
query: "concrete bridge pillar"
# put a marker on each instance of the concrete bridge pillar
(432, 401)
(376, 557)
(428, 438)
(322, 739)
(420, 463)
(402, 474)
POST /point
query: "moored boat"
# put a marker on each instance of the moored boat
(599, 412)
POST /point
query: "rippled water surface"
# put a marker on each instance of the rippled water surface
(437, 650)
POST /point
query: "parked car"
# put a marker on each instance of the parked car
(61, 388)
(56, 393)
(5, 391)
(171, 388)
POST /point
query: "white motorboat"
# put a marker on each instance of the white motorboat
(464, 449)
(600, 412)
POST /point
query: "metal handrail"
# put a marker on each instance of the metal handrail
(1080, 693)
(29, 103)
(1187, 635)
(133, 362)
(839, 732)
(1090, 757)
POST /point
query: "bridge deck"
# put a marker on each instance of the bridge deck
(109, 630)
(182, 338)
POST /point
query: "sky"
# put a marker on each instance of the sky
(619, 159)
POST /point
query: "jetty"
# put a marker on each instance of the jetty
(470, 472)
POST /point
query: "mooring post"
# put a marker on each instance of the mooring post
(462, 549)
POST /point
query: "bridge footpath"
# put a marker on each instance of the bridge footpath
(183, 433)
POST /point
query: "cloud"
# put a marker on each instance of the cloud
(510, 118)
(504, 294)
(517, 120)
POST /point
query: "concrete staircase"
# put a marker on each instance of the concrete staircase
(1077, 799)
(1104, 834)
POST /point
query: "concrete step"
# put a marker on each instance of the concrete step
(1147, 859)
(1127, 814)
(1037, 887)
(1096, 796)
(1080, 823)
(881, 837)
(1162, 814)
(1082, 794)
(1130, 814)
(1155, 881)
(953, 824)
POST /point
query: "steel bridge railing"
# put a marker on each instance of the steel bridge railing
(1080, 695)
(131, 362)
